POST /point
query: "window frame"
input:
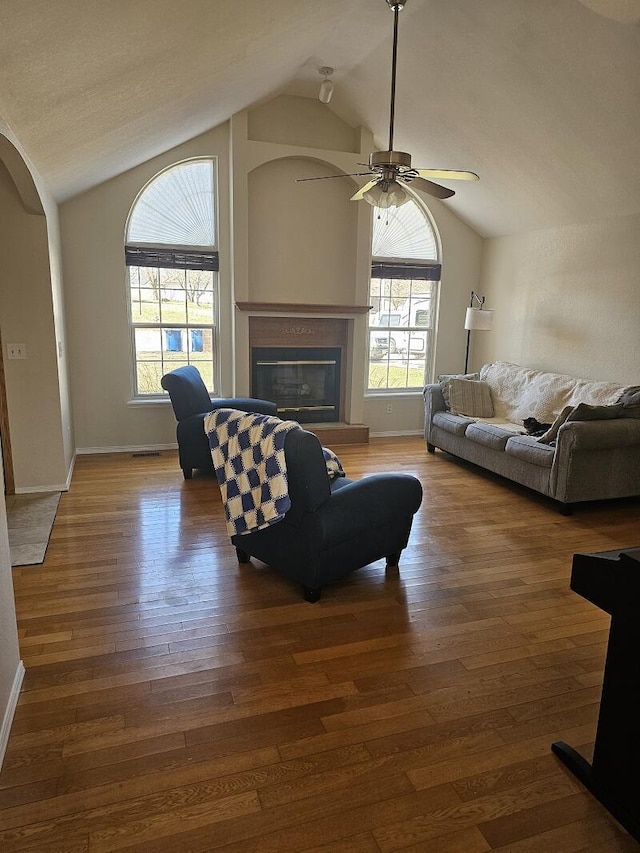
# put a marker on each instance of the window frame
(175, 256)
(417, 270)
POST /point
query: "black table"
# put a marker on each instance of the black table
(611, 581)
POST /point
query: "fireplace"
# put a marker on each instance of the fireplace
(304, 382)
(303, 369)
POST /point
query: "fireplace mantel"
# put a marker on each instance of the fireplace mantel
(301, 308)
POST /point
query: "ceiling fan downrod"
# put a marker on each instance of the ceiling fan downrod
(392, 158)
(395, 8)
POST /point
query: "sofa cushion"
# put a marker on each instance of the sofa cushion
(630, 412)
(471, 398)
(455, 424)
(529, 449)
(491, 436)
(445, 380)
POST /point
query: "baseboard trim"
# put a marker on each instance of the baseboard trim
(10, 710)
(125, 448)
(398, 432)
(36, 490)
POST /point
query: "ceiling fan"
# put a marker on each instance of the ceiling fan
(393, 171)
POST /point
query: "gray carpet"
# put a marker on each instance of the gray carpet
(30, 519)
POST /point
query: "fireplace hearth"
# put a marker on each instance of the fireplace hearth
(303, 382)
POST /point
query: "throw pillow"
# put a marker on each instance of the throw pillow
(585, 412)
(630, 396)
(471, 398)
(581, 412)
(445, 380)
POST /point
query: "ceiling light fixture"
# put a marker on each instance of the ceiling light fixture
(386, 194)
(326, 87)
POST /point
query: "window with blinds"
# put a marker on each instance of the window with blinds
(172, 276)
(405, 274)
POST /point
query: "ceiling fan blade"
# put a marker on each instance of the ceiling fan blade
(326, 177)
(447, 174)
(428, 187)
(358, 196)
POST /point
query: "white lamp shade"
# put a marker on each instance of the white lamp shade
(478, 318)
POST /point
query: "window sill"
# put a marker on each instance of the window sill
(389, 392)
(151, 401)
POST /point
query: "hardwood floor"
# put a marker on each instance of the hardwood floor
(176, 701)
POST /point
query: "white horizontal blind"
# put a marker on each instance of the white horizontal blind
(176, 208)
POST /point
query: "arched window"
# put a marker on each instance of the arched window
(405, 272)
(172, 260)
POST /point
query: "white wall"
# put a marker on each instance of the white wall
(93, 230)
(60, 337)
(299, 243)
(302, 237)
(281, 241)
(566, 299)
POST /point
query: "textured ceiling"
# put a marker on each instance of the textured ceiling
(540, 98)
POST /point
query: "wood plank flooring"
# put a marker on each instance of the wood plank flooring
(176, 701)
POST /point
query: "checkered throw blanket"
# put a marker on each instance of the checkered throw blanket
(249, 461)
(248, 457)
(334, 466)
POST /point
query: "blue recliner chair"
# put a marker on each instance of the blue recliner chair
(191, 402)
(333, 526)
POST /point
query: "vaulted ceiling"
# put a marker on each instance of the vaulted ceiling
(541, 98)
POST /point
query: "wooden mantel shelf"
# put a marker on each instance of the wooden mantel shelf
(299, 308)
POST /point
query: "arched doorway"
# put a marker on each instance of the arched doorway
(15, 168)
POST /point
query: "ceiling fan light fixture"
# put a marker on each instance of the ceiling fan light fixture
(391, 195)
(326, 87)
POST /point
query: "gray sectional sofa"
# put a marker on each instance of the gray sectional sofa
(586, 460)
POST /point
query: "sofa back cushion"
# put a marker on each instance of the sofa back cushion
(520, 392)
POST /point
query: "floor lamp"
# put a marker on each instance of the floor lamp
(477, 318)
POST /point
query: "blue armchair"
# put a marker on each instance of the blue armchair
(332, 527)
(191, 402)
